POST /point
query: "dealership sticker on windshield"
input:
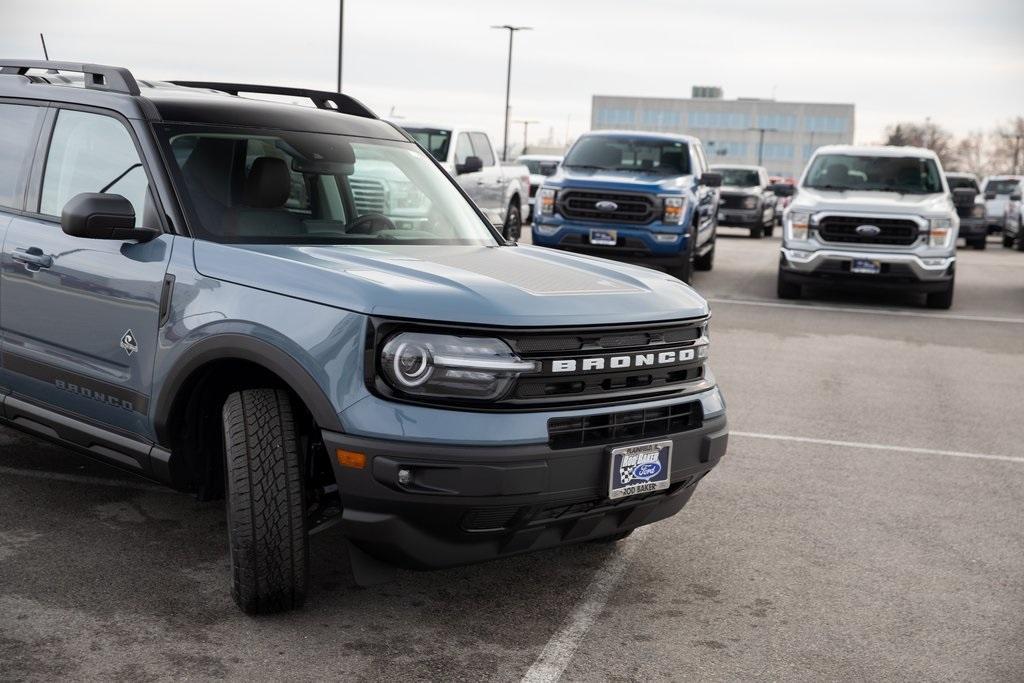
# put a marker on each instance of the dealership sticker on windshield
(640, 469)
(604, 238)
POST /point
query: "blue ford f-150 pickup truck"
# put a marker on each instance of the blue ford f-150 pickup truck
(298, 310)
(647, 198)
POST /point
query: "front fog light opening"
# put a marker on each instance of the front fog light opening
(545, 230)
(665, 237)
(404, 476)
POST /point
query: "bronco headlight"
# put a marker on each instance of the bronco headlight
(447, 366)
(978, 211)
(940, 232)
(749, 202)
(545, 200)
(799, 225)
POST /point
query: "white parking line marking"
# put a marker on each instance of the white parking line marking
(867, 311)
(879, 447)
(83, 479)
(559, 651)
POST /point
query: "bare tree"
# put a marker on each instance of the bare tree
(1008, 147)
(928, 135)
(969, 154)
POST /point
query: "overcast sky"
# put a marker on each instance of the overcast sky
(960, 63)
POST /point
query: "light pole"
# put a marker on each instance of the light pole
(526, 129)
(341, 34)
(508, 80)
(760, 144)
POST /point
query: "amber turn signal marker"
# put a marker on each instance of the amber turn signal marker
(351, 459)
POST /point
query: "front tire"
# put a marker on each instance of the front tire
(513, 229)
(266, 520)
(755, 233)
(707, 261)
(1007, 241)
(785, 289)
(942, 300)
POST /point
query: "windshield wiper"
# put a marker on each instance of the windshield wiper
(837, 188)
(599, 168)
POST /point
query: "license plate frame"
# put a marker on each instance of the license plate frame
(601, 237)
(630, 469)
(860, 266)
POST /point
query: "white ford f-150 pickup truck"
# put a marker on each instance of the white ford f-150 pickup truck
(500, 190)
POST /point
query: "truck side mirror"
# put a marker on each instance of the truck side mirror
(1015, 197)
(472, 164)
(100, 216)
(711, 179)
(964, 196)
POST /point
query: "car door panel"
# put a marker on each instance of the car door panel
(81, 317)
(472, 183)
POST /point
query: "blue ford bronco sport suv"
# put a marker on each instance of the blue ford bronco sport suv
(295, 308)
(647, 198)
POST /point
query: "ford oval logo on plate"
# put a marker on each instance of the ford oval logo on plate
(605, 205)
(647, 470)
(868, 230)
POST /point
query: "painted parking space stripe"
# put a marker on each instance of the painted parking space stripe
(879, 447)
(559, 651)
(767, 303)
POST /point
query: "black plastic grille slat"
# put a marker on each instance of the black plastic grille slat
(589, 430)
(733, 201)
(489, 518)
(602, 340)
(632, 208)
(894, 231)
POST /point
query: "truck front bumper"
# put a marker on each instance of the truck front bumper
(652, 244)
(468, 503)
(973, 228)
(743, 218)
(897, 270)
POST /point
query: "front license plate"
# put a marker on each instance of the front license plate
(604, 238)
(865, 267)
(640, 469)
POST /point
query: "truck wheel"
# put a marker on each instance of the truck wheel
(266, 521)
(513, 222)
(1018, 240)
(755, 233)
(769, 230)
(707, 261)
(684, 271)
(943, 299)
(785, 289)
(981, 244)
(1007, 241)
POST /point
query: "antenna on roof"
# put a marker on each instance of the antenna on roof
(46, 55)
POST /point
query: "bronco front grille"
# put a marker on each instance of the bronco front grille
(589, 430)
(891, 231)
(628, 208)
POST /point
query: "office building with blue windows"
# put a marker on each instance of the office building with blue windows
(781, 135)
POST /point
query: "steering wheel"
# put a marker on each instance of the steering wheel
(370, 224)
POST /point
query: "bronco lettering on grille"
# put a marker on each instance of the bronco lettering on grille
(635, 360)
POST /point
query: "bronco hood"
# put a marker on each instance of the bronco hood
(927, 205)
(467, 284)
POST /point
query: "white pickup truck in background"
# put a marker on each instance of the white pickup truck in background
(500, 190)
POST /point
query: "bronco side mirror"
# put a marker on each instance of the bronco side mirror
(711, 179)
(101, 216)
(472, 164)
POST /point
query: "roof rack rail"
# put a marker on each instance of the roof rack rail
(323, 99)
(98, 77)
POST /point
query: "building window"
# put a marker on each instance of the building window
(825, 124)
(717, 119)
(661, 118)
(778, 151)
(777, 121)
(614, 117)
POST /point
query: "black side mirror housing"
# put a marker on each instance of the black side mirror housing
(782, 190)
(100, 216)
(990, 195)
(964, 196)
(711, 179)
(471, 165)
(1015, 197)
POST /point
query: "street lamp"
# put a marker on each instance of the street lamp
(341, 34)
(760, 144)
(508, 80)
(526, 129)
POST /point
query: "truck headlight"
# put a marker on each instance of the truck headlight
(978, 211)
(545, 200)
(749, 202)
(447, 366)
(675, 210)
(940, 232)
(799, 225)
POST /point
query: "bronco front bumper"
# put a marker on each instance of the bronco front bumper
(427, 506)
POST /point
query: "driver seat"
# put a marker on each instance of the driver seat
(267, 187)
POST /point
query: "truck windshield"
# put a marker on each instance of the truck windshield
(434, 140)
(739, 177)
(905, 175)
(1001, 186)
(960, 182)
(284, 187)
(617, 153)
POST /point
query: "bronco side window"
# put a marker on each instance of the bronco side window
(92, 153)
(19, 128)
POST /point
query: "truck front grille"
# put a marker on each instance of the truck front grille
(891, 231)
(629, 208)
(370, 196)
(628, 425)
(733, 201)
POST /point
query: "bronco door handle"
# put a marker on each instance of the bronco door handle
(33, 258)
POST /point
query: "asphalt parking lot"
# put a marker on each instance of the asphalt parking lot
(866, 524)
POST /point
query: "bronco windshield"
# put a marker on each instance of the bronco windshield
(285, 187)
(739, 177)
(618, 153)
(905, 175)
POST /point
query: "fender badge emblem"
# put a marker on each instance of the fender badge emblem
(128, 342)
